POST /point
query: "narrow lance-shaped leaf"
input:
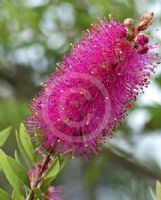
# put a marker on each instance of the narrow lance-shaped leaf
(23, 152)
(56, 166)
(27, 143)
(4, 195)
(15, 195)
(53, 171)
(51, 174)
(38, 193)
(19, 171)
(16, 157)
(4, 135)
(45, 184)
(10, 175)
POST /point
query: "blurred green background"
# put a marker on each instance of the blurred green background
(34, 34)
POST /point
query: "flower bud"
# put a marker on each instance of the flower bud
(142, 39)
(129, 23)
(143, 50)
(145, 21)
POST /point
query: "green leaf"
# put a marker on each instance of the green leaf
(51, 174)
(15, 195)
(10, 175)
(4, 195)
(63, 160)
(53, 169)
(38, 193)
(45, 184)
(19, 171)
(23, 152)
(158, 190)
(4, 135)
(56, 166)
(16, 157)
(27, 144)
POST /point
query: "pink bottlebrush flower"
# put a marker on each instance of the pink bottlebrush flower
(54, 193)
(93, 87)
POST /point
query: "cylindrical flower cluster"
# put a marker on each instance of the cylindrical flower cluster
(93, 87)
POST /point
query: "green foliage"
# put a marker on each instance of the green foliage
(38, 193)
(54, 169)
(27, 143)
(23, 152)
(17, 175)
(56, 166)
(9, 173)
(4, 195)
(4, 135)
(45, 184)
(15, 195)
(19, 171)
(16, 157)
